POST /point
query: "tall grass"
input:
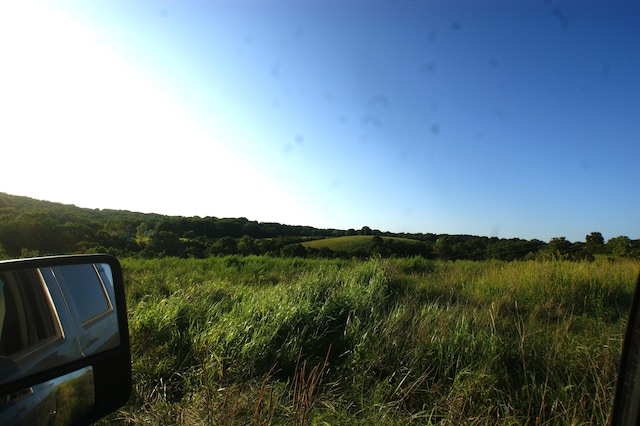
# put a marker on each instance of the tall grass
(260, 340)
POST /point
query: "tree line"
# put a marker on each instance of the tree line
(31, 227)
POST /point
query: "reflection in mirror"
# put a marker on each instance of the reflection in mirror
(62, 401)
(53, 315)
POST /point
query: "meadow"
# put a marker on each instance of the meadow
(264, 340)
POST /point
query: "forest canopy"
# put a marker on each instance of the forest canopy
(30, 227)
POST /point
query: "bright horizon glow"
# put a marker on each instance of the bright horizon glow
(416, 118)
(100, 105)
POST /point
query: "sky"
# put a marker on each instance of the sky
(493, 118)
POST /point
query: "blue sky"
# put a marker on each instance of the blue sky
(508, 119)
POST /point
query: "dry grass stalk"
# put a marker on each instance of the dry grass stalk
(304, 387)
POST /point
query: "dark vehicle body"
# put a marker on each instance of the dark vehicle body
(64, 349)
(70, 314)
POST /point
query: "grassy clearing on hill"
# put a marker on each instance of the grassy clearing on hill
(350, 244)
(259, 340)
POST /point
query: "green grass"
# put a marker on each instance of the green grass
(350, 244)
(260, 340)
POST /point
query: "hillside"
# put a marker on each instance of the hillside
(356, 244)
(351, 243)
(30, 227)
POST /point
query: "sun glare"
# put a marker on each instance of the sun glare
(81, 126)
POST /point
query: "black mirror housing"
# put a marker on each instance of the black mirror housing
(63, 323)
(626, 404)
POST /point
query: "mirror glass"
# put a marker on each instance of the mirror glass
(50, 316)
(64, 400)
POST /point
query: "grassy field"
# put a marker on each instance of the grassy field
(351, 243)
(259, 340)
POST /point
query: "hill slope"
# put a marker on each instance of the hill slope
(353, 242)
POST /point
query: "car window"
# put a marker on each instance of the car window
(87, 290)
(28, 314)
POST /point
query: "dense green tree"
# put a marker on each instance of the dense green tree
(165, 243)
(377, 245)
(142, 231)
(444, 248)
(620, 246)
(511, 249)
(558, 248)
(595, 238)
(582, 251)
(231, 227)
(322, 252)
(473, 248)
(247, 245)
(594, 244)
(195, 248)
(294, 250)
(252, 229)
(225, 246)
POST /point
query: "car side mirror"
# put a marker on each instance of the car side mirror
(64, 341)
(626, 404)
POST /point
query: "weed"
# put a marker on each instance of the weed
(262, 340)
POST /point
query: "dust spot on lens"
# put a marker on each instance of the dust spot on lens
(455, 26)
(428, 68)
(275, 70)
(379, 100)
(370, 120)
(435, 129)
(299, 32)
(562, 18)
